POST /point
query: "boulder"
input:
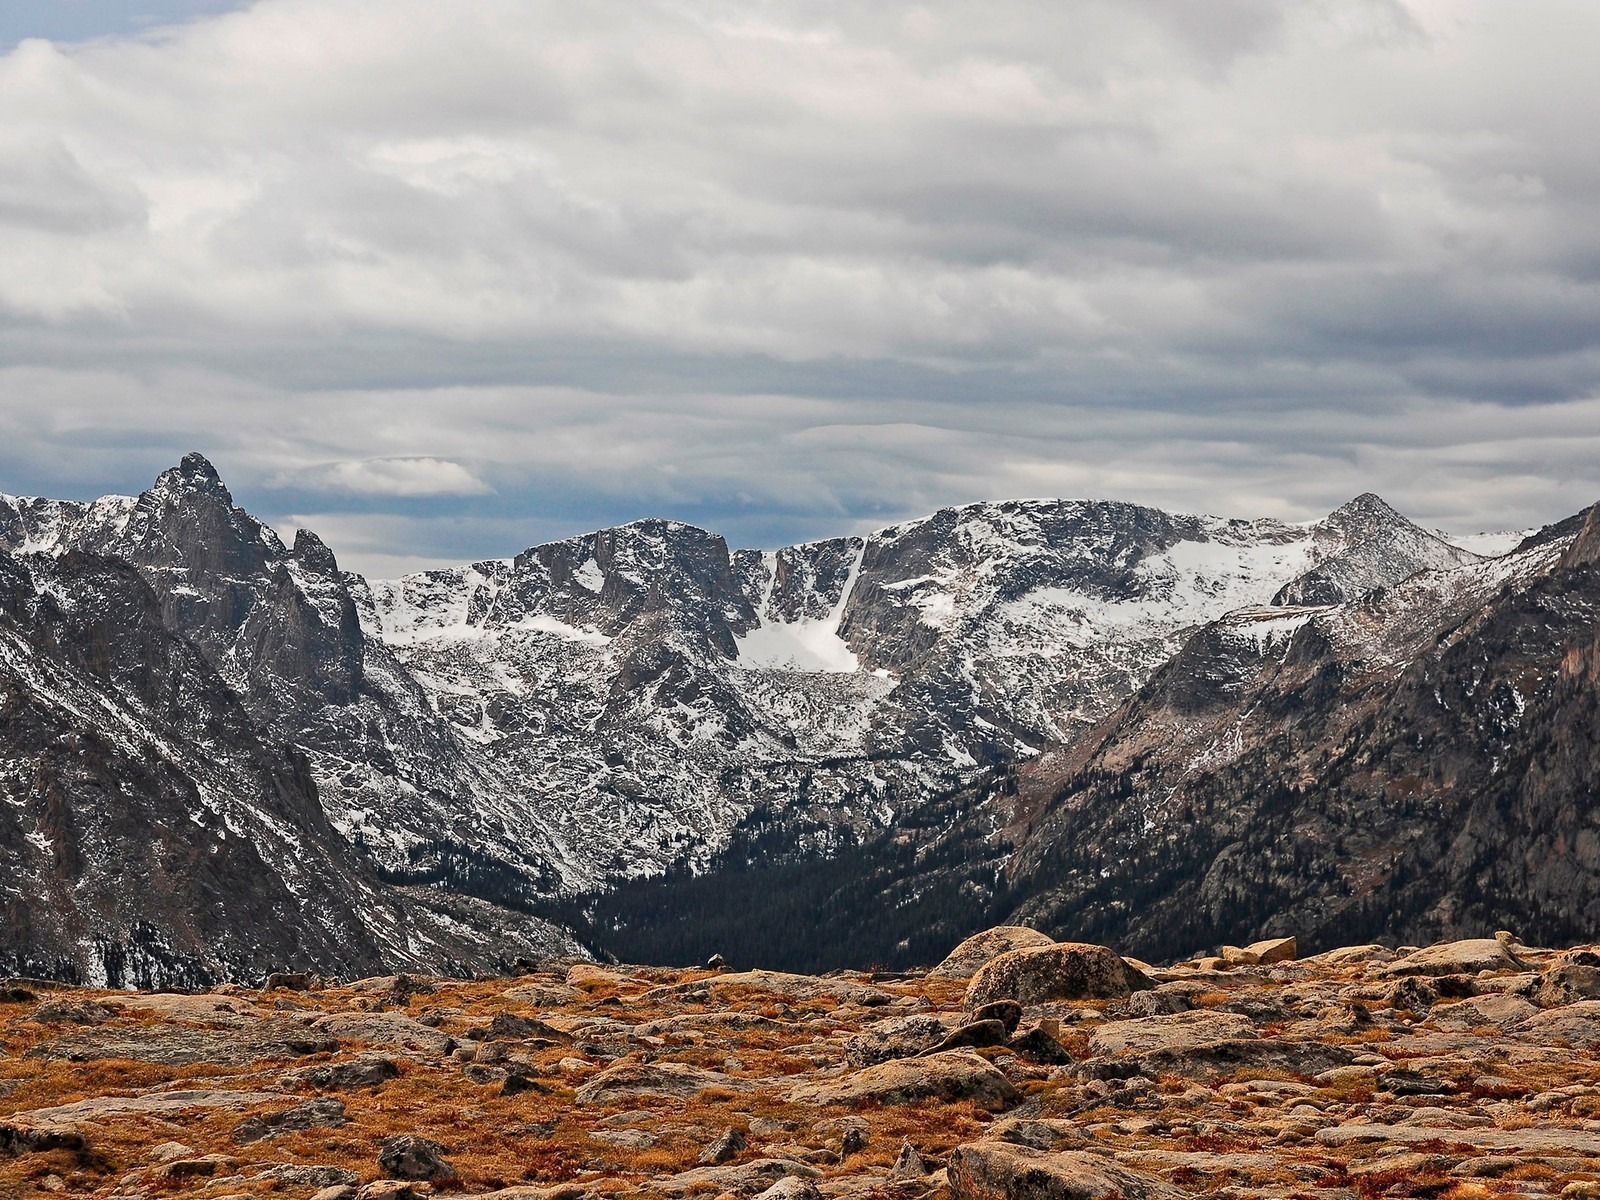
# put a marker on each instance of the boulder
(179, 1045)
(1007, 1012)
(725, 1147)
(1062, 971)
(1576, 1025)
(368, 1071)
(973, 1033)
(1568, 983)
(73, 1012)
(1041, 1134)
(390, 1029)
(995, 1170)
(510, 1027)
(324, 1111)
(965, 959)
(1345, 956)
(791, 1187)
(1456, 958)
(1185, 1031)
(1157, 1003)
(743, 1179)
(309, 1175)
(389, 1189)
(1499, 1010)
(26, 1139)
(896, 1037)
(407, 1156)
(1040, 1045)
(949, 1075)
(776, 983)
(909, 1164)
(626, 1081)
(1201, 1044)
(1413, 994)
(1274, 950)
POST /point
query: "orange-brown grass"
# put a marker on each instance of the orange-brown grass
(1535, 1172)
(1270, 1074)
(47, 1083)
(1346, 1091)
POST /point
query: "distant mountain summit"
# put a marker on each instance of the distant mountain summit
(519, 733)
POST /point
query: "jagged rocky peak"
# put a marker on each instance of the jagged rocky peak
(313, 554)
(1363, 545)
(1366, 516)
(187, 521)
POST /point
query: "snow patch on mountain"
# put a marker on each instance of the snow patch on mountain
(806, 644)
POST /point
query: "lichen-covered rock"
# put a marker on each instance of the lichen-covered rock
(965, 959)
(627, 1081)
(893, 1037)
(1466, 957)
(1177, 1032)
(1568, 983)
(949, 1075)
(324, 1111)
(1060, 971)
(407, 1156)
(994, 1170)
(744, 1179)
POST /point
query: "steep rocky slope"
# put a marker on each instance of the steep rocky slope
(153, 831)
(1422, 762)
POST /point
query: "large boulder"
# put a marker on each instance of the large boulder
(1059, 971)
(949, 1075)
(978, 949)
(741, 1179)
(1576, 1025)
(1201, 1045)
(994, 1170)
(1456, 958)
(1498, 1010)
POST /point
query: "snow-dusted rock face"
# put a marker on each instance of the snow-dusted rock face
(646, 691)
(152, 832)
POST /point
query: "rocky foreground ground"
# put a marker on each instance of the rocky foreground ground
(1018, 1068)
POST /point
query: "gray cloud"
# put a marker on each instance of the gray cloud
(449, 279)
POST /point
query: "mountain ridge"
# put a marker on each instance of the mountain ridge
(543, 731)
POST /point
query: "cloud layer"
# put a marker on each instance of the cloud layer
(446, 279)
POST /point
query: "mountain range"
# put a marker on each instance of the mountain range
(221, 755)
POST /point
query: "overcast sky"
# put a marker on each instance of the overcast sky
(441, 281)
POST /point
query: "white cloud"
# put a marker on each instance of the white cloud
(389, 477)
(775, 266)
